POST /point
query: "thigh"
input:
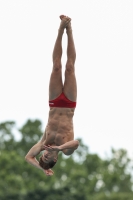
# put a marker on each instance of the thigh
(55, 84)
(70, 86)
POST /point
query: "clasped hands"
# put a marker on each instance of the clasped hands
(50, 148)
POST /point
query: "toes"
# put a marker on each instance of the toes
(62, 16)
(65, 17)
(68, 19)
(65, 20)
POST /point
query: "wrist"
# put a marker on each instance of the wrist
(60, 148)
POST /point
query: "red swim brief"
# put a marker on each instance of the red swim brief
(62, 101)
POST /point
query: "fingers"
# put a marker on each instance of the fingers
(49, 172)
(62, 16)
(48, 147)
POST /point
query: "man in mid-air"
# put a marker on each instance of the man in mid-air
(59, 134)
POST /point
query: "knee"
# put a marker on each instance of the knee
(69, 68)
(57, 66)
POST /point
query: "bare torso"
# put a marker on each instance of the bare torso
(59, 129)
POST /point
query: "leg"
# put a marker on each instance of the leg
(56, 85)
(70, 85)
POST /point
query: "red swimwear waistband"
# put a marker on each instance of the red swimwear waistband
(62, 101)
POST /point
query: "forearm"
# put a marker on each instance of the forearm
(34, 151)
(73, 144)
(34, 162)
(31, 155)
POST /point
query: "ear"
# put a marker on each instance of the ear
(55, 160)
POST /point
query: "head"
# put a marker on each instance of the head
(48, 159)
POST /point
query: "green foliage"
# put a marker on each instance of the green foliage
(31, 133)
(112, 196)
(80, 176)
(6, 135)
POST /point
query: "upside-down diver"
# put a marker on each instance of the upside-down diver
(59, 133)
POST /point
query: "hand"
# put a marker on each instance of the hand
(48, 172)
(51, 148)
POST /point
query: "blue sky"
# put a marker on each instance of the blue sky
(103, 31)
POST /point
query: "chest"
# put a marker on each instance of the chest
(58, 138)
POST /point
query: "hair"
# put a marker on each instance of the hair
(46, 165)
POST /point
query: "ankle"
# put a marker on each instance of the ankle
(69, 30)
(61, 30)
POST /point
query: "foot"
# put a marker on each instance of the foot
(68, 25)
(64, 22)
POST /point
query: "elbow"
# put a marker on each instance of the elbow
(26, 158)
(29, 159)
(76, 144)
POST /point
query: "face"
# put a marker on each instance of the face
(48, 156)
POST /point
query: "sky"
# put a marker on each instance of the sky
(103, 36)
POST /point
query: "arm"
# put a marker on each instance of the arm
(44, 136)
(33, 152)
(67, 148)
(31, 158)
